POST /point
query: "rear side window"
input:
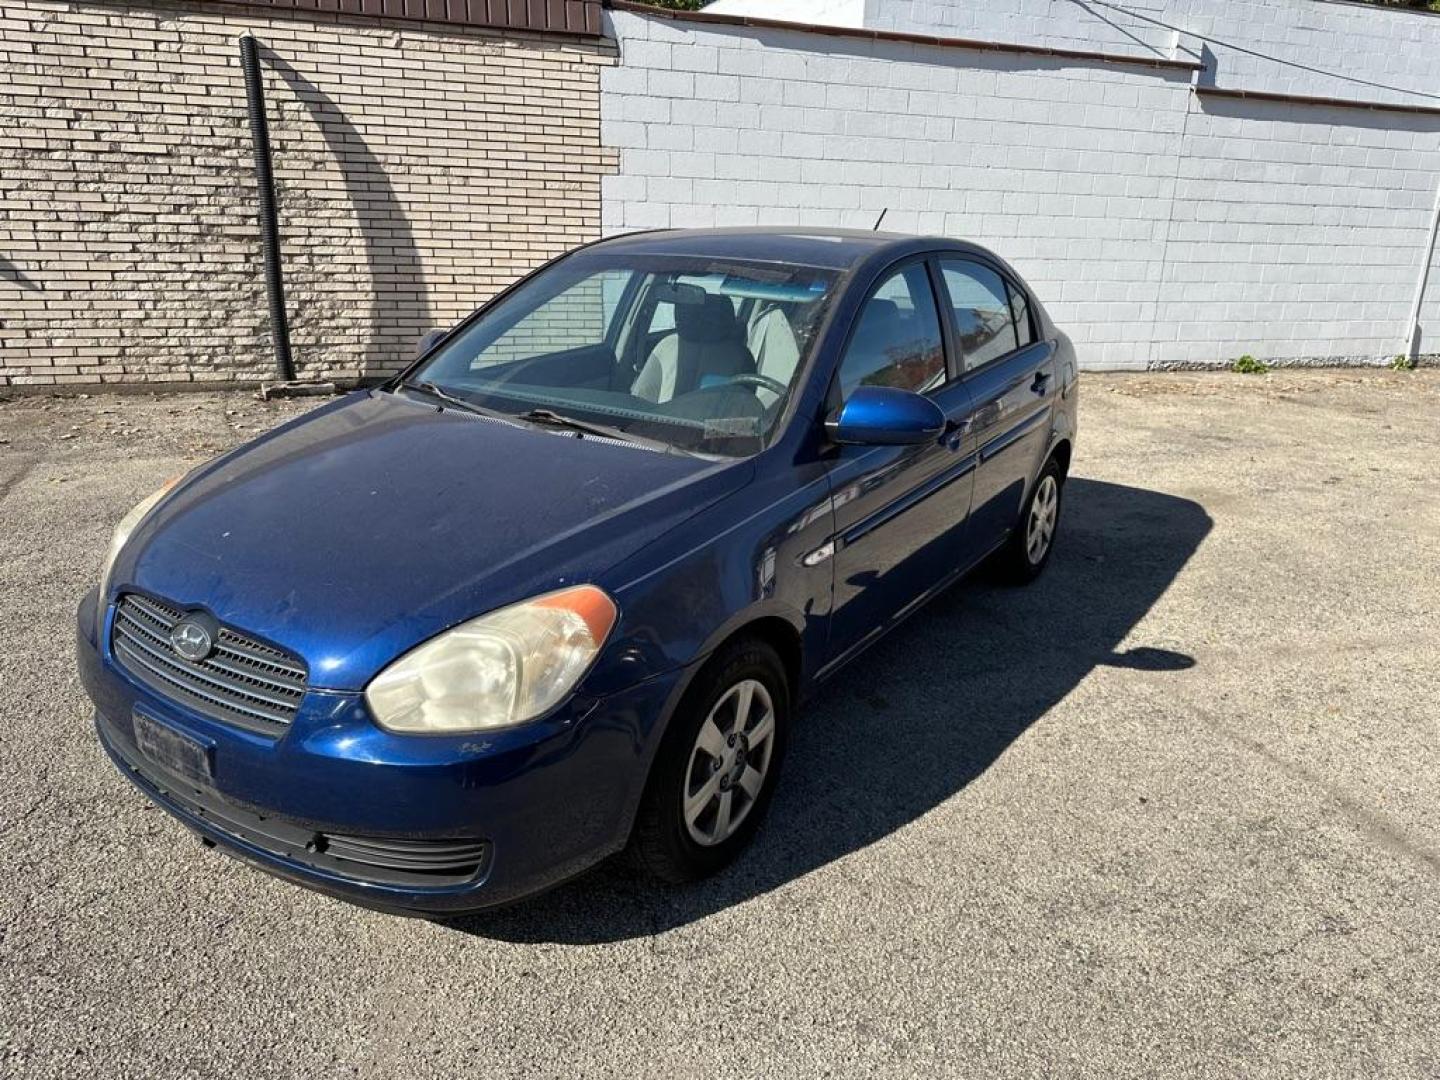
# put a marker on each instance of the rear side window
(983, 316)
(897, 337)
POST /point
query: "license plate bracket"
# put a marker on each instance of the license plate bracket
(173, 750)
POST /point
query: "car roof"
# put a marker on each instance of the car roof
(834, 249)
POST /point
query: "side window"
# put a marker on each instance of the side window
(1021, 307)
(578, 317)
(983, 319)
(897, 339)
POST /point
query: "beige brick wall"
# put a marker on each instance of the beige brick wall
(420, 169)
(575, 318)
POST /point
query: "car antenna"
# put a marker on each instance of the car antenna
(876, 226)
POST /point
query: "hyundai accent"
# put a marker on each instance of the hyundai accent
(556, 590)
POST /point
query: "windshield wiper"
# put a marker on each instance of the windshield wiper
(550, 418)
(430, 388)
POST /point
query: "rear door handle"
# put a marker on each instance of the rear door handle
(1042, 379)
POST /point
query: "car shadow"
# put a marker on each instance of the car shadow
(918, 717)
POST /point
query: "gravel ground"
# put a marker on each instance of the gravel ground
(1170, 811)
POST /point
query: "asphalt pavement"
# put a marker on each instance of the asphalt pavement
(1174, 810)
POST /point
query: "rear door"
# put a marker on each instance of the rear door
(1012, 383)
(899, 510)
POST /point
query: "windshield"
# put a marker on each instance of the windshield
(696, 353)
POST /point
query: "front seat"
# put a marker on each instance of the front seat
(707, 348)
(777, 354)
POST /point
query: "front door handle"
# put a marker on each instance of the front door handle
(1042, 379)
(955, 432)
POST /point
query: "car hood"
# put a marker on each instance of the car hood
(354, 533)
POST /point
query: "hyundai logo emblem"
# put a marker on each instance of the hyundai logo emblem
(192, 640)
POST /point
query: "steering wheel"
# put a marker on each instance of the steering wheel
(762, 381)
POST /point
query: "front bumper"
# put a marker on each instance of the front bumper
(539, 803)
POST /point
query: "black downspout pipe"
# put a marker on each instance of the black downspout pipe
(269, 218)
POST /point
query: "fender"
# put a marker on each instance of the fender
(735, 625)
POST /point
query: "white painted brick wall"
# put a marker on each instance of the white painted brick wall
(1313, 47)
(1057, 23)
(1316, 47)
(1159, 227)
(1298, 233)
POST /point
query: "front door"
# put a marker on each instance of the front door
(1010, 375)
(899, 510)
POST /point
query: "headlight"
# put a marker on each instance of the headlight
(501, 669)
(128, 525)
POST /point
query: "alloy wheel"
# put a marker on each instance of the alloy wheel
(1044, 509)
(729, 763)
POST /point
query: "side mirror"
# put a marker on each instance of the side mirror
(885, 416)
(430, 339)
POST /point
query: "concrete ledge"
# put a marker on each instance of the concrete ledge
(165, 389)
(1319, 102)
(1290, 363)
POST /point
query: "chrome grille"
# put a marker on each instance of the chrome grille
(243, 682)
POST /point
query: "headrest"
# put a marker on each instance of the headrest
(711, 320)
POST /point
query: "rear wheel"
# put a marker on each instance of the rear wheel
(1028, 550)
(715, 772)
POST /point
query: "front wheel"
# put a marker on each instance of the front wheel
(716, 769)
(1027, 552)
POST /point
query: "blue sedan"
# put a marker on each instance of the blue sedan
(557, 590)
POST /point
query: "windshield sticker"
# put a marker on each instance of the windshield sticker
(731, 427)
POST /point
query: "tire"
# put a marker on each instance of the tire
(1026, 554)
(680, 834)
